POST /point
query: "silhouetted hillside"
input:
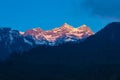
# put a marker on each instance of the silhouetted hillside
(97, 58)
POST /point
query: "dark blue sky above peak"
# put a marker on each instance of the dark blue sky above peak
(48, 14)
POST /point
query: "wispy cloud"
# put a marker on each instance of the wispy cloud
(104, 8)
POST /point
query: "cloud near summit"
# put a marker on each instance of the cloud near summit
(104, 8)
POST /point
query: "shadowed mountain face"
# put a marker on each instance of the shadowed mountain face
(16, 41)
(106, 38)
(104, 43)
(97, 58)
(11, 41)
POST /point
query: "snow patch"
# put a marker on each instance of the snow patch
(21, 33)
(40, 42)
(26, 41)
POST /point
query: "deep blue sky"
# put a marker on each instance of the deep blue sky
(48, 14)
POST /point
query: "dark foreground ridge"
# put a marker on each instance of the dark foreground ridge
(97, 58)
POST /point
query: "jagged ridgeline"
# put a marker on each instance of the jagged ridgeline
(17, 41)
(56, 36)
(97, 58)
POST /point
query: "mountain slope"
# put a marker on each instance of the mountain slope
(16, 41)
(11, 41)
(97, 58)
(108, 36)
(104, 43)
(66, 33)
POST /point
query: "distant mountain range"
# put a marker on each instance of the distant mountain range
(103, 47)
(96, 57)
(65, 33)
(16, 41)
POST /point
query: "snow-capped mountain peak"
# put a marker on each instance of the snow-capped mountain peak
(33, 32)
(64, 33)
(86, 29)
(66, 26)
(22, 33)
(83, 27)
(14, 40)
(37, 29)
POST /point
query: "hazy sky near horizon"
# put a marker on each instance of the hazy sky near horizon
(48, 14)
